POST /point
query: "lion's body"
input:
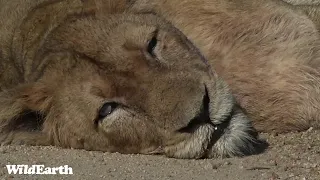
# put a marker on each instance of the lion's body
(267, 51)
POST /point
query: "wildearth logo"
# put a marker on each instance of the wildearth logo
(38, 169)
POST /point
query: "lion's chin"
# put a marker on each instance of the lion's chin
(234, 134)
(236, 137)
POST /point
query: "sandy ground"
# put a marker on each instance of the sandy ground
(290, 156)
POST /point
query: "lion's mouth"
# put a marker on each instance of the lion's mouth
(232, 135)
(211, 135)
(203, 117)
(219, 128)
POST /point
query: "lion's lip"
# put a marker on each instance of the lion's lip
(219, 129)
(204, 117)
(206, 111)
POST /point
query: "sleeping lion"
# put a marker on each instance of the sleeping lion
(76, 76)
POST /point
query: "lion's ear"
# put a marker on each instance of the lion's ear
(44, 19)
(35, 97)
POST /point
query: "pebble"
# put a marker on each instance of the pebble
(310, 129)
(91, 153)
(291, 175)
(274, 176)
(210, 166)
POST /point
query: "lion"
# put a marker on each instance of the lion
(267, 51)
(78, 75)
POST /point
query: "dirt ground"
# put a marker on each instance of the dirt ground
(290, 156)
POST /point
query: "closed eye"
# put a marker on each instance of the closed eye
(152, 44)
(105, 110)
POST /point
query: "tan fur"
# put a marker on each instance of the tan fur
(61, 61)
(312, 11)
(266, 50)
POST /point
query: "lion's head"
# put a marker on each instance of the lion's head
(128, 84)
